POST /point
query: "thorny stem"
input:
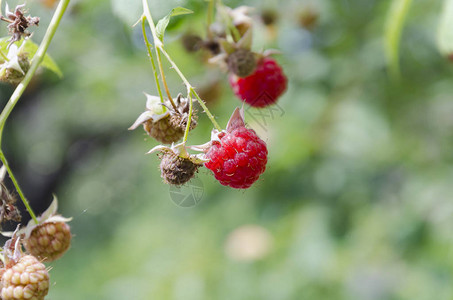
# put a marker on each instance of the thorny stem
(159, 48)
(150, 54)
(189, 119)
(162, 75)
(16, 185)
(35, 62)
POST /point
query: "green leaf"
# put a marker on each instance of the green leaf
(393, 28)
(30, 48)
(163, 23)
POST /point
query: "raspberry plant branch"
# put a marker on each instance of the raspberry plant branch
(35, 62)
(159, 49)
(164, 80)
(192, 90)
(189, 118)
(150, 54)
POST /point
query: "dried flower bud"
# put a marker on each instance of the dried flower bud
(18, 23)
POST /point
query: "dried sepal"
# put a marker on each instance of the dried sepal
(18, 23)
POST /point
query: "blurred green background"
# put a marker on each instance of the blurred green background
(356, 202)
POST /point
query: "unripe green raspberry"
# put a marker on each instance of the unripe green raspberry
(241, 62)
(14, 76)
(27, 279)
(49, 241)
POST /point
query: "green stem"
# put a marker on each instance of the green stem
(16, 185)
(190, 87)
(164, 80)
(159, 48)
(210, 18)
(35, 62)
(189, 119)
(150, 54)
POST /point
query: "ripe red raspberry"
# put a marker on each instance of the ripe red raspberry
(27, 279)
(263, 87)
(49, 241)
(239, 156)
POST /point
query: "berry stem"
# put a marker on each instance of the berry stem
(164, 80)
(206, 110)
(150, 54)
(189, 119)
(159, 48)
(190, 87)
(35, 62)
(16, 185)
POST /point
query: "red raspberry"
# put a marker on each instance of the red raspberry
(238, 159)
(263, 87)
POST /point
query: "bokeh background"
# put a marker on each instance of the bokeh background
(356, 202)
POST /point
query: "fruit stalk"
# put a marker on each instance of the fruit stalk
(150, 54)
(189, 119)
(157, 48)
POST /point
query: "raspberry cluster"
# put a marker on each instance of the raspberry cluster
(23, 275)
(236, 156)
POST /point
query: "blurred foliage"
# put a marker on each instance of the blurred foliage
(356, 202)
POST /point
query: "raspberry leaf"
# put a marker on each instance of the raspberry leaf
(163, 23)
